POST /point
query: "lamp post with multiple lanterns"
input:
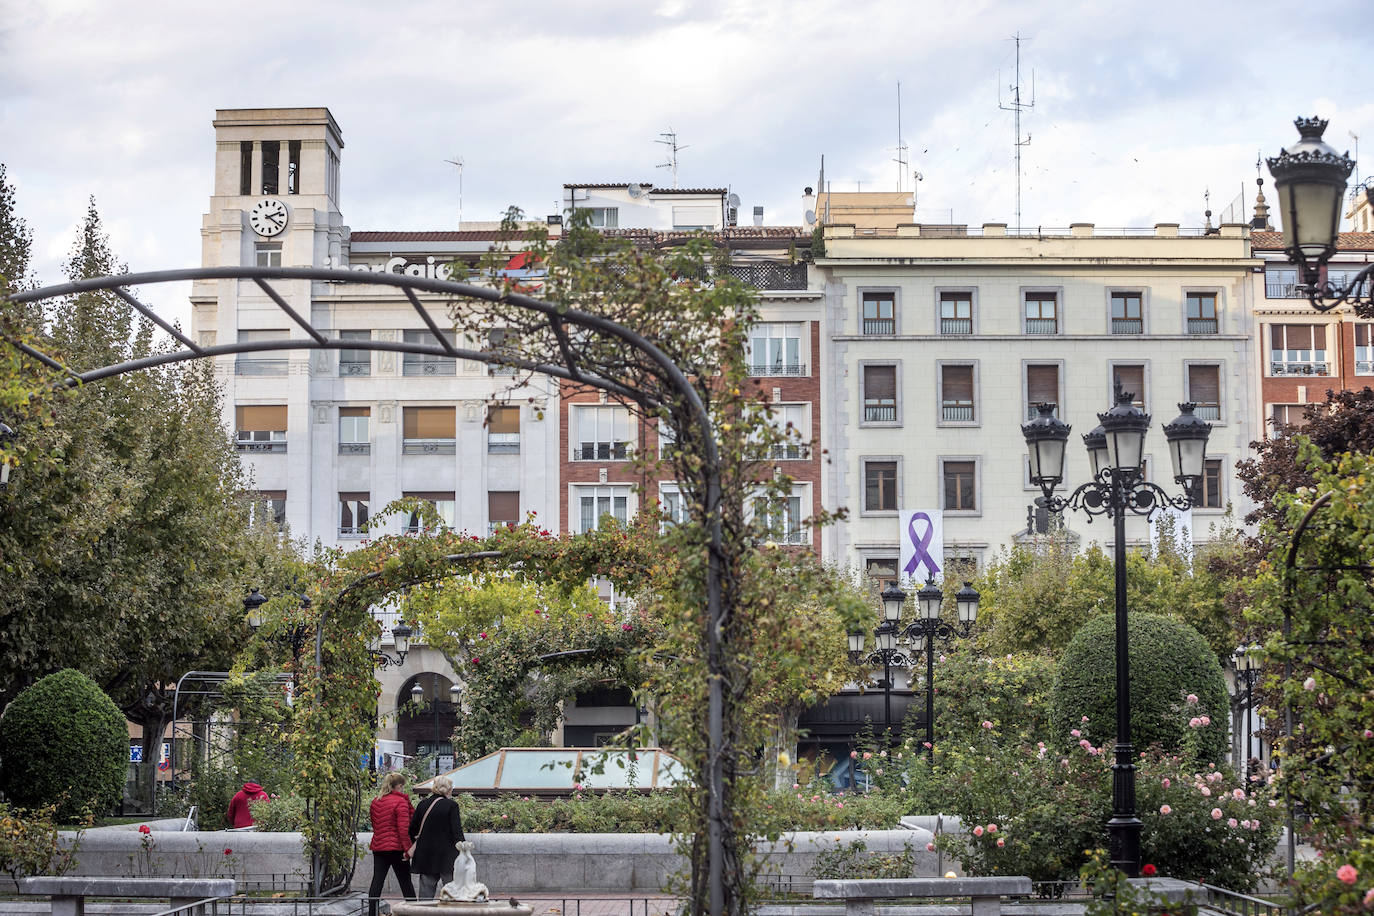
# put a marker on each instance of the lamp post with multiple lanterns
(921, 634)
(1116, 449)
(1310, 179)
(417, 695)
(1248, 671)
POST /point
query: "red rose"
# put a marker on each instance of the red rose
(228, 851)
(144, 828)
(1148, 870)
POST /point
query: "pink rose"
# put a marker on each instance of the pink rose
(1347, 874)
(1231, 822)
(1206, 720)
(1001, 842)
(992, 828)
(1075, 732)
(1165, 809)
(868, 755)
(978, 831)
(1237, 793)
(1192, 699)
(1194, 722)
(930, 847)
(1369, 733)
(1165, 782)
(1084, 719)
(1206, 791)
(987, 724)
(1309, 684)
(1216, 814)
(1084, 743)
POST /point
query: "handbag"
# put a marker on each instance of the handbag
(410, 853)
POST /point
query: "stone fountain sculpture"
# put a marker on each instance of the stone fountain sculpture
(463, 896)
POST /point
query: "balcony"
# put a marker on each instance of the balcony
(247, 366)
(956, 326)
(601, 451)
(427, 447)
(769, 274)
(1364, 367)
(793, 537)
(1202, 325)
(1298, 367)
(789, 451)
(247, 445)
(355, 367)
(428, 366)
(1128, 326)
(878, 326)
(880, 413)
(956, 412)
(778, 370)
(1210, 412)
(1283, 291)
(503, 443)
(1042, 326)
(355, 448)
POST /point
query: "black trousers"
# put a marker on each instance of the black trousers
(382, 860)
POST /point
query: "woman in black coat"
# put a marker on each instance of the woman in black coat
(437, 828)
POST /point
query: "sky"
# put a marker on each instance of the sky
(1140, 108)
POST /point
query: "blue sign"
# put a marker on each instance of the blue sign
(135, 753)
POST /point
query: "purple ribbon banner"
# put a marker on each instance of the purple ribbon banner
(920, 547)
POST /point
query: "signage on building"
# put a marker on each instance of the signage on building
(922, 537)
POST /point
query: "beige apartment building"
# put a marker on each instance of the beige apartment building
(939, 339)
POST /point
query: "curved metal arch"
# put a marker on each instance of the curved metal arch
(558, 317)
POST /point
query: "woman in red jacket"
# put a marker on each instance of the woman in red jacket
(390, 811)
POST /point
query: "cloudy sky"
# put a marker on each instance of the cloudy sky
(1139, 107)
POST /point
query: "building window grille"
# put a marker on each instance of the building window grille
(353, 513)
(260, 428)
(503, 430)
(261, 362)
(1202, 313)
(775, 349)
(428, 430)
(1297, 349)
(780, 518)
(880, 394)
(603, 433)
(1132, 379)
(1042, 313)
(1127, 317)
(1042, 387)
(426, 363)
(956, 394)
(879, 313)
(956, 313)
(354, 436)
(1204, 390)
(355, 362)
(1281, 283)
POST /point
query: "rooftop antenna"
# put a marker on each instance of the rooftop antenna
(901, 159)
(458, 161)
(670, 140)
(1356, 137)
(1016, 106)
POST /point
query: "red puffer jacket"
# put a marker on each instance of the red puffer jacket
(391, 822)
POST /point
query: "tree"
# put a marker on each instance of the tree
(125, 553)
(21, 387)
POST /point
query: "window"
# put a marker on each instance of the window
(260, 428)
(245, 167)
(880, 486)
(879, 313)
(352, 513)
(882, 570)
(1204, 390)
(956, 313)
(1297, 349)
(791, 421)
(597, 503)
(443, 505)
(1126, 315)
(1132, 379)
(956, 394)
(603, 433)
(353, 432)
(503, 430)
(424, 363)
(355, 362)
(271, 165)
(780, 518)
(880, 394)
(603, 217)
(427, 430)
(274, 501)
(775, 349)
(672, 502)
(503, 509)
(959, 480)
(1211, 484)
(267, 254)
(505, 343)
(1293, 415)
(1042, 313)
(1281, 283)
(263, 362)
(1364, 349)
(1042, 387)
(293, 169)
(1202, 313)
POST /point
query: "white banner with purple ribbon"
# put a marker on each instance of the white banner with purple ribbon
(923, 545)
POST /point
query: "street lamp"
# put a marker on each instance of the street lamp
(292, 636)
(1310, 178)
(417, 695)
(1116, 449)
(1248, 670)
(928, 627)
(401, 635)
(7, 435)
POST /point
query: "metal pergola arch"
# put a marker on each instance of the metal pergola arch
(559, 320)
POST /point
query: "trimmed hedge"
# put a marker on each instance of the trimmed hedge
(1169, 661)
(63, 742)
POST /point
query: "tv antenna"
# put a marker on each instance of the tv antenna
(458, 162)
(670, 140)
(1016, 106)
(901, 159)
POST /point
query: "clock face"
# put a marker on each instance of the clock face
(268, 217)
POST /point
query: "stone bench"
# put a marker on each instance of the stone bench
(986, 893)
(69, 893)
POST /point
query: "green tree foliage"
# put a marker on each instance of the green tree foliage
(1011, 691)
(1034, 599)
(1319, 661)
(1169, 662)
(125, 552)
(63, 743)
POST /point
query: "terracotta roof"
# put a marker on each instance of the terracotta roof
(738, 233)
(690, 190)
(1267, 240)
(480, 235)
(609, 184)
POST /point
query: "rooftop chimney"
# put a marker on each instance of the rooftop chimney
(758, 216)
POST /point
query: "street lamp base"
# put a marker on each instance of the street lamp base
(1123, 840)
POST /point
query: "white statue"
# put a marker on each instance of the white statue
(464, 885)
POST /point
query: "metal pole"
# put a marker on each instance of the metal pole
(1123, 830)
(434, 679)
(930, 692)
(1249, 686)
(887, 695)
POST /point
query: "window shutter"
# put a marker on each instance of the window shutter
(1132, 378)
(880, 382)
(429, 422)
(503, 506)
(1204, 384)
(1318, 337)
(1361, 335)
(262, 417)
(355, 411)
(957, 382)
(1042, 384)
(503, 419)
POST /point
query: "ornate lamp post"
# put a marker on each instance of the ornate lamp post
(1310, 179)
(928, 627)
(292, 636)
(417, 695)
(1115, 449)
(401, 635)
(1247, 670)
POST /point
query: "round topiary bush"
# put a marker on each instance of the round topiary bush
(64, 742)
(1170, 661)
